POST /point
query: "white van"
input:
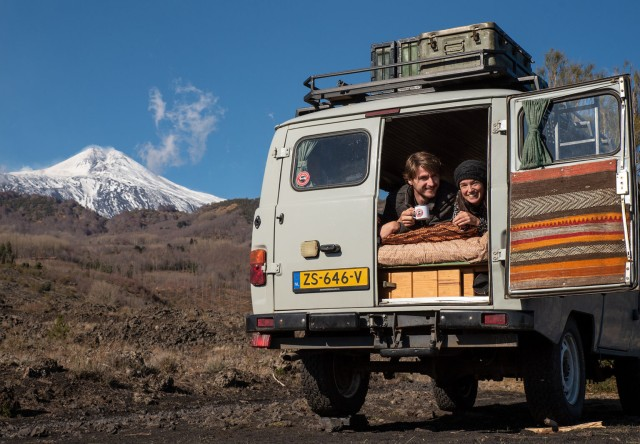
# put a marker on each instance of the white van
(560, 254)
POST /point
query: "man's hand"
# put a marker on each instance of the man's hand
(406, 218)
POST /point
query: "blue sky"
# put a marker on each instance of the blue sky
(194, 88)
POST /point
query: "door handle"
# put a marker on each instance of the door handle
(330, 248)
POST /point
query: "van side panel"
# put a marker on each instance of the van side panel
(262, 236)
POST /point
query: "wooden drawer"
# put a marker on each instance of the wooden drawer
(428, 282)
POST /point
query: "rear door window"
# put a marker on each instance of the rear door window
(331, 161)
(580, 127)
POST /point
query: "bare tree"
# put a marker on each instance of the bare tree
(560, 71)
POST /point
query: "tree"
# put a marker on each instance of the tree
(560, 71)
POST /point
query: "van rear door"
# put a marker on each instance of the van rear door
(572, 190)
(325, 235)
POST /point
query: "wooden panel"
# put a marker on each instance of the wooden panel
(404, 285)
(429, 282)
(449, 282)
(425, 283)
(467, 283)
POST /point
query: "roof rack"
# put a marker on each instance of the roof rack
(481, 74)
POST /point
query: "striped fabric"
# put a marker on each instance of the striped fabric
(566, 227)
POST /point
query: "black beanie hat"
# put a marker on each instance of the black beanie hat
(470, 169)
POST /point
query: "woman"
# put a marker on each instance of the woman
(470, 208)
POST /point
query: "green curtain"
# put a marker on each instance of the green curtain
(304, 151)
(534, 151)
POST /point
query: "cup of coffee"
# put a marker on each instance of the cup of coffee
(420, 212)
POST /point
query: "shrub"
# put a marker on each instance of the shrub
(45, 286)
(7, 256)
(60, 329)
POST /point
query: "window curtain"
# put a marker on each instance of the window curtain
(304, 151)
(534, 151)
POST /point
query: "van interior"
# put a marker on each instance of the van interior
(454, 136)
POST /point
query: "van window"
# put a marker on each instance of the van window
(331, 161)
(588, 126)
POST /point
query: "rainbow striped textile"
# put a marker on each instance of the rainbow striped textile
(566, 227)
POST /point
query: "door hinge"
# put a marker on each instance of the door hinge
(499, 255)
(272, 268)
(627, 273)
(499, 127)
(281, 152)
(621, 83)
(622, 182)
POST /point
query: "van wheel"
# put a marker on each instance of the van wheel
(335, 384)
(554, 377)
(456, 396)
(627, 373)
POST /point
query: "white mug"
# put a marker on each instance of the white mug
(420, 212)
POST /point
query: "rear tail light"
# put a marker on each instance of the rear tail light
(257, 259)
(260, 341)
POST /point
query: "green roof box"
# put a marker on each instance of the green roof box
(482, 46)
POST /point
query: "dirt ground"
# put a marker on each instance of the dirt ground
(65, 409)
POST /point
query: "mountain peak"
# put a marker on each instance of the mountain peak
(93, 159)
(106, 181)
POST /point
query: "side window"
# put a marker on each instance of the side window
(581, 127)
(331, 161)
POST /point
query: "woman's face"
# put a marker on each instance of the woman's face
(472, 191)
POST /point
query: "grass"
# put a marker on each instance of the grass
(607, 386)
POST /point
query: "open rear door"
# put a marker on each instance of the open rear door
(572, 190)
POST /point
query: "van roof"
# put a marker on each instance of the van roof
(418, 98)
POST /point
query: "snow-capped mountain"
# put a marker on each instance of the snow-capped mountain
(106, 181)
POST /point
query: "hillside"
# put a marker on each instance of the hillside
(143, 301)
(32, 214)
(166, 253)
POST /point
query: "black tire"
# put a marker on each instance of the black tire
(334, 384)
(456, 396)
(554, 377)
(627, 373)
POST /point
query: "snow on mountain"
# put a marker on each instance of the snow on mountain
(106, 181)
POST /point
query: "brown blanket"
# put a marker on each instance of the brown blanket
(441, 232)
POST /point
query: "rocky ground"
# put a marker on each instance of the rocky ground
(154, 372)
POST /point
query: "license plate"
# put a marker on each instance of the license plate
(331, 280)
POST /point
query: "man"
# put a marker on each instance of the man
(423, 187)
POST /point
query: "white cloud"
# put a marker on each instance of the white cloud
(183, 127)
(157, 105)
(165, 154)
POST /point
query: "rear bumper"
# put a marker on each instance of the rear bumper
(428, 330)
(301, 321)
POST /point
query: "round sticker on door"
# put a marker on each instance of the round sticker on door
(303, 178)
